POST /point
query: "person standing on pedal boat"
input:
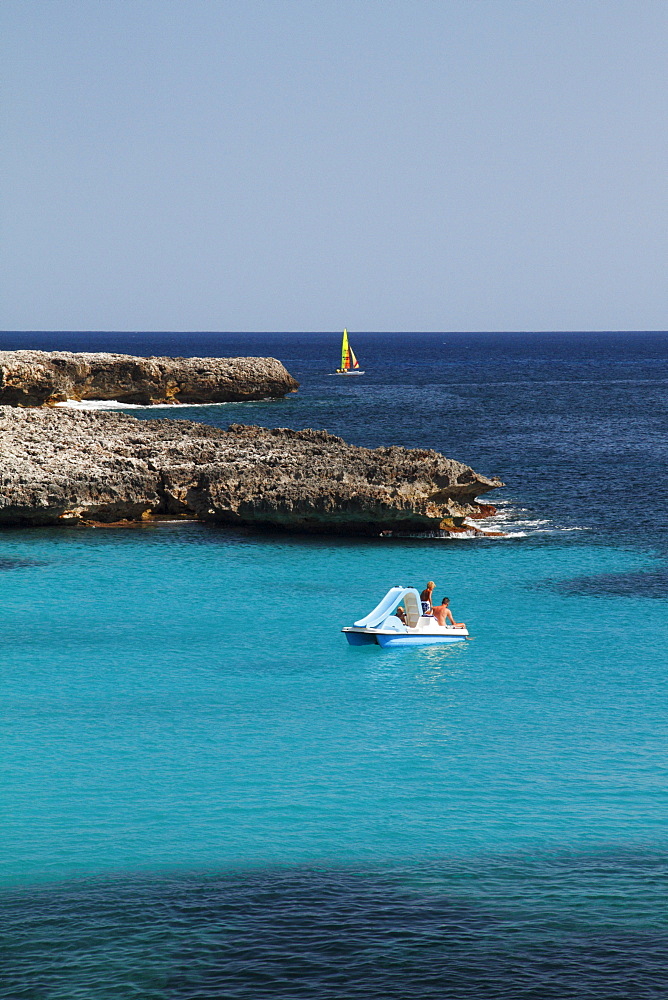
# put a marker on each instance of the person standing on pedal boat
(425, 597)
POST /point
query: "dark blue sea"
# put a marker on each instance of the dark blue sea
(206, 793)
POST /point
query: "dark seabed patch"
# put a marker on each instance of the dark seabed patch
(552, 928)
(641, 583)
(18, 563)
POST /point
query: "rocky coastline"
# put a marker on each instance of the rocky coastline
(63, 467)
(41, 378)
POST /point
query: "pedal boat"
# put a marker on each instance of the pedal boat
(384, 628)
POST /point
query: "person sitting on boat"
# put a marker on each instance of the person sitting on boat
(443, 614)
(425, 597)
(401, 614)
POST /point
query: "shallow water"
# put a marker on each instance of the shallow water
(206, 792)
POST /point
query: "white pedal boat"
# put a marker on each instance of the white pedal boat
(383, 627)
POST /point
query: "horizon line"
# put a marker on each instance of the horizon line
(328, 332)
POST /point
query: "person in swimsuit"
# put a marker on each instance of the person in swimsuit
(425, 597)
(443, 615)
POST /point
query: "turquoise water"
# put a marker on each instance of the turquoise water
(180, 697)
(207, 793)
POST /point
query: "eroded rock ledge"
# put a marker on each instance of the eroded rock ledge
(63, 467)
(39, 378)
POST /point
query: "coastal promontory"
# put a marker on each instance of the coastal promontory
(71, 467)
(41, 378)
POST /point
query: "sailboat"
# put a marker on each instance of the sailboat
(349, 363)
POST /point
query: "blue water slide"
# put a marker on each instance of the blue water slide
(386, 606)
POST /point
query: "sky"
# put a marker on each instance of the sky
(305, 165)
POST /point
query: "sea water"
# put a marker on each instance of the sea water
(207, 793)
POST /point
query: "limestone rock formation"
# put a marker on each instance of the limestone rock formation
(61, 467)
(38, 378)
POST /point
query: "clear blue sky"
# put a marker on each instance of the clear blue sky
(313, 164)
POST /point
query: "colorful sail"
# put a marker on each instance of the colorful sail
(345, 351)
(354, 363)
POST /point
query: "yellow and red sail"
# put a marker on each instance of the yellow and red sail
(348, 359)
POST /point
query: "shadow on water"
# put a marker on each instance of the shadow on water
(551, 928)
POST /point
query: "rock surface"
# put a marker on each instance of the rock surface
(38, 378)
(64, 467)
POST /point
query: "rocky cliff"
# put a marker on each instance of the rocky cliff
(63, 467)
(38, 378)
